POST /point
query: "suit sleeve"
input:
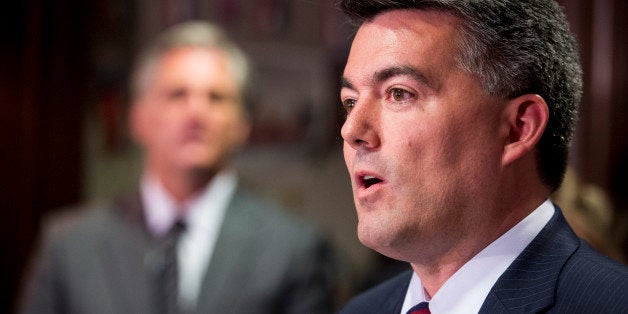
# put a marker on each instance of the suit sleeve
(41, 289)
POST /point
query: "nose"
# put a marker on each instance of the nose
(194, 111)
(198, 105)
(197, 101)
(360, 129)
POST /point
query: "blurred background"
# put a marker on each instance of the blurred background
(63, 100)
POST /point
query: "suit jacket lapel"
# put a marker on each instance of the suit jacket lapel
(232, 259)
(528, 284)
(123, 256)
(394, 302)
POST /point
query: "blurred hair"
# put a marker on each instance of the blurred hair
(189, 34)
(514, 47)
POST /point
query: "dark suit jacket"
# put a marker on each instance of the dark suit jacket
(557, 272)
(263, 262)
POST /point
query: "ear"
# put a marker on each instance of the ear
(240, 133)
(526, 117)
(137, 121)
(243, 129)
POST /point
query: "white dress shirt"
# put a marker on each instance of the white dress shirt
(465, 291)
(202, 216)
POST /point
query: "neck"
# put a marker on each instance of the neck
(434, 277)
(184, 185)
(435, 272)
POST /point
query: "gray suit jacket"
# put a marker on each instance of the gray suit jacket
(96, 262)
(556, 273)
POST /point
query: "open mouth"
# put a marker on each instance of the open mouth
(368, 181)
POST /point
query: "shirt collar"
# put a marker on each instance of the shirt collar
(470, 285)
(160, 208)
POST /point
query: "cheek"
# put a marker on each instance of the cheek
(225, 131)
(447, 145)
(168, 127)
(158, 129)
(410, 145)
(349, 155)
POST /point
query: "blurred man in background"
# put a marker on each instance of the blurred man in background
(459, 117)
(190, 240)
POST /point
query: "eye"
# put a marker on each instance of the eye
(217, 97)
(348, 104)
(176, 94)
(399, 95)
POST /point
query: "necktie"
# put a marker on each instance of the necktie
(421, 308)
(167, 275)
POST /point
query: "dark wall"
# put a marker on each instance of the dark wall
(600, 153)
(41, 102)
(619, 127)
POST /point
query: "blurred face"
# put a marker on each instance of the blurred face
(190, 116)
(422, 141)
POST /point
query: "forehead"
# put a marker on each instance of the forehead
(410, 36)
(198, 68)
(189, 60)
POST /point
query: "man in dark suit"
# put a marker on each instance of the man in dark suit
(191, 240)
(459, 117)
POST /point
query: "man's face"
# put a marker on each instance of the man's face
(189, 117)
(422, 141)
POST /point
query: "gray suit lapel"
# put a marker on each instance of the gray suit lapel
(124, 257)
(233, 258)
(528, 284)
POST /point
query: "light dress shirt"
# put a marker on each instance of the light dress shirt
(202, 215)
(465, 291)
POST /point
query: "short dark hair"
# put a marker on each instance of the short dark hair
(514, 47)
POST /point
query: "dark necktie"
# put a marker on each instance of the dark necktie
(420, 308)
(167, 275)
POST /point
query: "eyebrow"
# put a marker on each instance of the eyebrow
(403, 70)
(344, 82)
(387, 73)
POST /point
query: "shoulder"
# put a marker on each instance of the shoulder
(592, 280)
(77, 220)
(81, 226)
(386, 297)
(586, 260)
(270, 218)
(283, 253)
(561, 272)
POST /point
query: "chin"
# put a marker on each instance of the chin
(382, 245)
(198, 160)
(388, 237)
(376, 236)
(196, 167)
